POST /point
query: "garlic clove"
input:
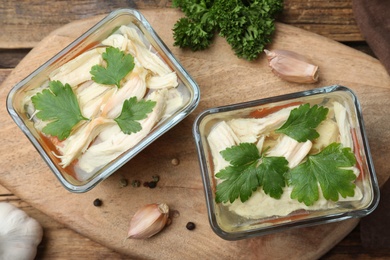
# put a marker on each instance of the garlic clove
(148, 221)
(291, 66)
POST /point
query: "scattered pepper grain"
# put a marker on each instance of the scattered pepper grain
(175, 162)
(135, 183)
(152, 184)
(174, 213)
(97, 202)
(123, 183)
(190, 226)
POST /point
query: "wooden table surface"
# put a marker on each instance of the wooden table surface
(24, 23)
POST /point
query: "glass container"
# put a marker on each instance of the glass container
(93, 38)
(262, 215)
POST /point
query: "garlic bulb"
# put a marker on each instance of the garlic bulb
(19, 234)
(148, 221)
(291, 66)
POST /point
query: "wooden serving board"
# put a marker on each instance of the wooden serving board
(223, 79)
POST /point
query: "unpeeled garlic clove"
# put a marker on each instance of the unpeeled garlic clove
(148, 221)
(291, 66)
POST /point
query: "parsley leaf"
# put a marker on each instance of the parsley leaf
(118, 66)
(248, 171)
(271, 175)
(302, 122)
(58, 104)
(327, 169)
(241, 154)
(239, 182)
(133, 110)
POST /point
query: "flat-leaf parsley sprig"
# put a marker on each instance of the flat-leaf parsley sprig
(302, 122)
(329, 169)
(248, 171)
(119, 64)
(59, 106)
(133, 111)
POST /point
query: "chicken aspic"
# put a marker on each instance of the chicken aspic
(147, 83)
(230, 140)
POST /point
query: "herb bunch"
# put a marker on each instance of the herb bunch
(247, 25)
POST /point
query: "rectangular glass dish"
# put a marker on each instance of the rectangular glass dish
(217, 130)
(160, 78)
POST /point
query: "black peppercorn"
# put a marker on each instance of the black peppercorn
(190, 226)
(152, 184)
(97, 202)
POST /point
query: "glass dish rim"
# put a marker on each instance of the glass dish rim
(296, 223)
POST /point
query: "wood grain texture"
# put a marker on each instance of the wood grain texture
(24, 23)
(9, 58)
(214, 73)
(4, 74)
(333, 19)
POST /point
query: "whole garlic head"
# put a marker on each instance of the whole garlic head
(19, 234)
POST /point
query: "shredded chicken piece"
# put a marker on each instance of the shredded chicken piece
(131, 33)
(292, 150)
(92, 96)
(341, 116)
(166, 81)
(117, 41)
(77, 70)
(78, 142)
(260, 143)
(220, 138)
(138, 49)
(174, 101)
(112, 142)
(329, 133)
(249, 129)
(134, 87)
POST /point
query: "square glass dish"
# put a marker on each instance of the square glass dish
(151, 93)
(263, 171)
